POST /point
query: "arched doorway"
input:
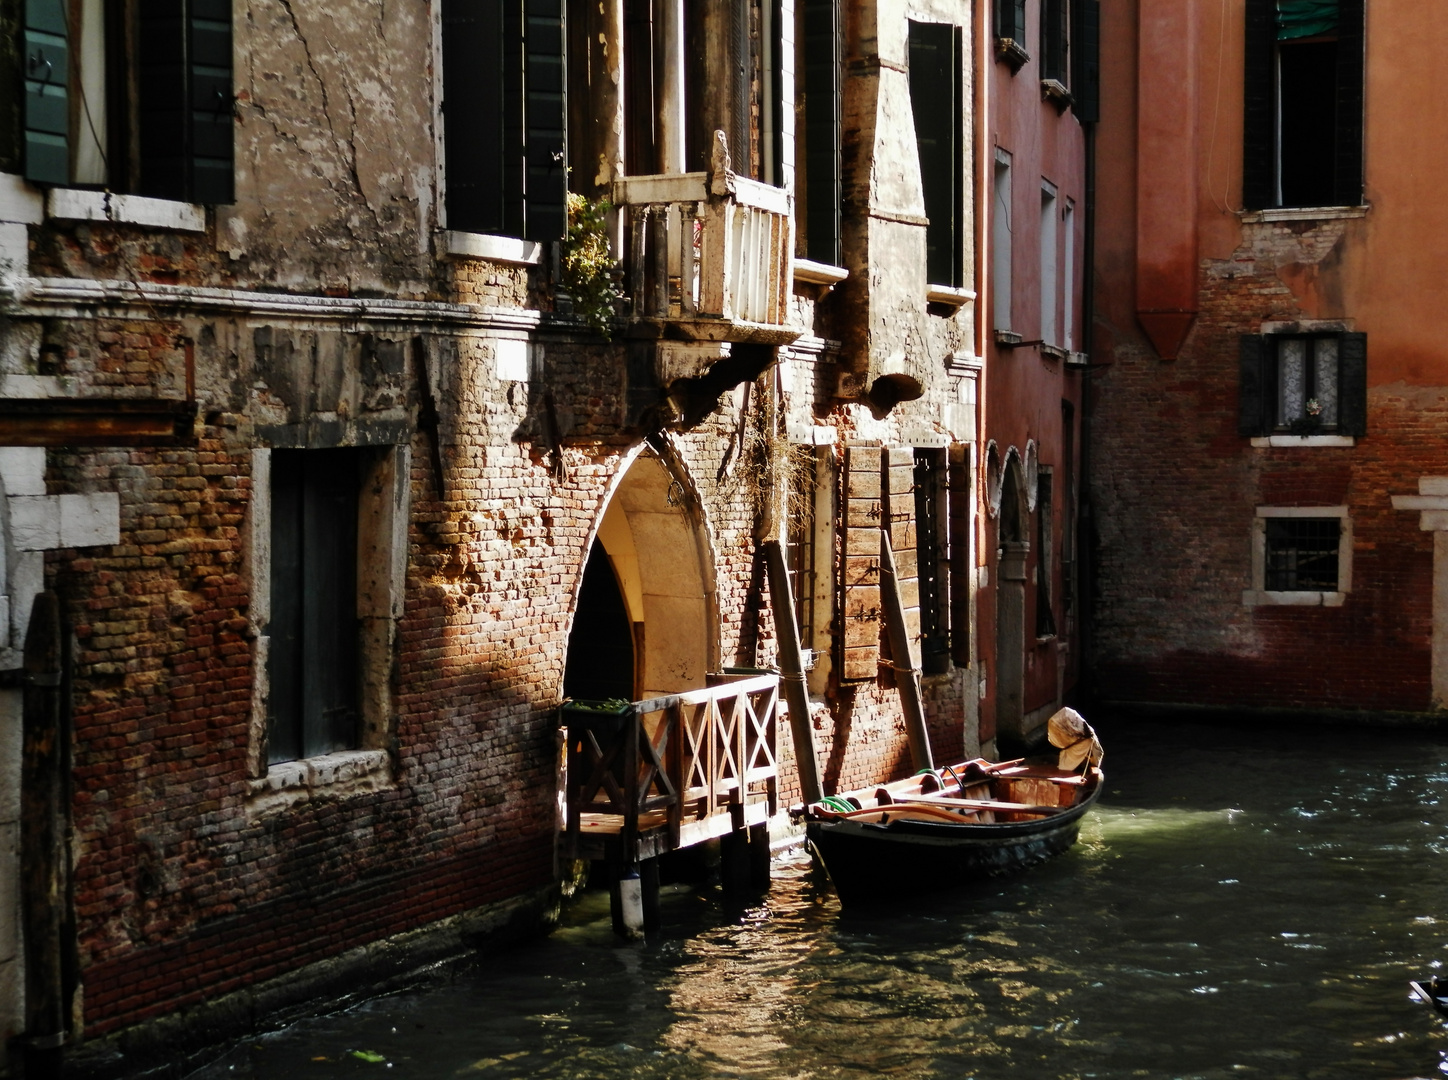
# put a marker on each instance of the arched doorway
(658, 593)
(1011, 550)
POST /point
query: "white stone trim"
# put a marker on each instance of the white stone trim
(503, 249)
(1304, 213)
(818, 273)
(347, 772)
(71, 204)
(1259, 596)
(77, 297)
(1431, 502)
(19, 202)
(1295, 441)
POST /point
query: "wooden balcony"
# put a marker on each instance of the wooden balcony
(671, 772)
(708, 256)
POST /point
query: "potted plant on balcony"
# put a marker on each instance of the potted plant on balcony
(589, 271)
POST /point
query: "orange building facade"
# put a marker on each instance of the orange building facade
(1269, 413)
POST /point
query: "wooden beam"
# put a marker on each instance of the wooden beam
(97, 421)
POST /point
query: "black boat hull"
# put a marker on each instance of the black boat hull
(872, 863)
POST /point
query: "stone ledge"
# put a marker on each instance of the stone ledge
(1272, 598)
(347, 772)
(73, 205)
(1304, 440)
(503, 249)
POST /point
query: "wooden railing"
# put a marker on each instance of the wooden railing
(700, 764)
(709, 250)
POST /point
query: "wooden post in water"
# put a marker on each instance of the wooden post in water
(903, 657)
(41, 893)
(791, 673)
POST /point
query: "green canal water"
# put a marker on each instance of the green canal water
(1243, 903)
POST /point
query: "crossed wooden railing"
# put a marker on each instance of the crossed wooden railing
(698, 764)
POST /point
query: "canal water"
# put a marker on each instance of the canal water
(1243, 903)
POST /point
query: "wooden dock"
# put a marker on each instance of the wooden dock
(670, 772)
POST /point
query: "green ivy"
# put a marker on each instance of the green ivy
(588, 266)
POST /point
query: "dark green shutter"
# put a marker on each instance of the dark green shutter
(161, 99)
(478, 57)
(1352, 384)
(209, 70)
(1259, 175)
(46, 65)
(546, 110)
(1348, 171)
(1253, 397)
(1053, 40)
(935, 97)
(1086, 60)
(822, 130)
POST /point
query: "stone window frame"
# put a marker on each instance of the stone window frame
(382, 520)
(1269, 330)
(1259, 596)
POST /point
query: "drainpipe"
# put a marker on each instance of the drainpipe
(41, 816)
(1085, 529)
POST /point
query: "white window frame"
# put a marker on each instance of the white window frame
(1260, 596)
(1050, 269)
(1001, 196)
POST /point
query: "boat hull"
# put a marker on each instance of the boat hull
(872, 863)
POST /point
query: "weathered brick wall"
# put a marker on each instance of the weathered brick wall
(181, 893)
(1176, 489)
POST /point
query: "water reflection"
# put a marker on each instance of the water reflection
(1240, 905)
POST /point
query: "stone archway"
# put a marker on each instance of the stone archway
(1011, 550)
(653, 536)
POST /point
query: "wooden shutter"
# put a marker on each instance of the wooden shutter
(546, 112)
(931, 532)
(1259, 174)
(1053, 40)
(935, 97)
(860, 592)
(1253, 399)
(1352, 384)
(161, 99)
(329, 568)
(284, 630)
(1086, 60)
(897, 497)
(822, 130)
(483, 114)
(1018, 22)
(1348, 159)
(961, 508)
(46, 65)
(312, 661)
(209, 71)
(740, 90)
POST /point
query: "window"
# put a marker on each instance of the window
(935, 96)
(1085, 58)
(130, 96)
(1054, 41)
(1000, 239)
(1045, 615)
(1303, 136)
(313, 651)
(932, 539)
(1301, 556)
(817, 111)
(1303, 384)
(1068, 277)
(1049, 275)
(1010, 24)
(503, 117)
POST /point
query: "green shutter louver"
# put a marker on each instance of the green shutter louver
(209, 71)
(1305, 18)
(1352, 384)
(1252, 387)
(46, 67)
(545, 121)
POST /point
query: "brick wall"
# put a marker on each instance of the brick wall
(1175, 490)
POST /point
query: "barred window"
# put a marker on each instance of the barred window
(1302, 553)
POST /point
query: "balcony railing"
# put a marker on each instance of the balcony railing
(673, 771)
(708, 253)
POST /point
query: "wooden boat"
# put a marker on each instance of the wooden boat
(951, 826)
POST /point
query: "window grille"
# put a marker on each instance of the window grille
(1302, 554)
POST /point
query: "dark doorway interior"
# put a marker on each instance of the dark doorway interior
(600, 649)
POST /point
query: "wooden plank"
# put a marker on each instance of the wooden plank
(862, 569)
(861, 663)
(862, 542)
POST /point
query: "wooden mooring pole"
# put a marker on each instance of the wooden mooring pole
(791, 673)
(42, 789)
(904, 656)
